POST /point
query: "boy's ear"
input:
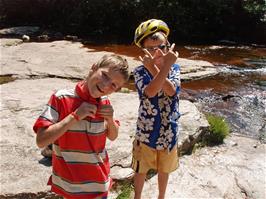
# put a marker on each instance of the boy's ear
(92, 70)
(94, 67)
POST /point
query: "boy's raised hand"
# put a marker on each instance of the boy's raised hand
(86, 109)
(147, 60)
(168, 58)
(171, 56)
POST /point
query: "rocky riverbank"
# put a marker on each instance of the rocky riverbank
(233, 170)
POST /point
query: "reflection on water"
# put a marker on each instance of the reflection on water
(238, 92)
(241, 99)
(230, 55)
(229, 80)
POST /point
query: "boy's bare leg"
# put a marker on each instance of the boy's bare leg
(162, 183)
(139, 179)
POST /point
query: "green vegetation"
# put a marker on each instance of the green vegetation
(126, 189)
(219, 129)
(124, 90)
(12, 43)
(115, 21)
(126, 186)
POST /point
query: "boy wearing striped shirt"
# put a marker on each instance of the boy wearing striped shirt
(77, 122)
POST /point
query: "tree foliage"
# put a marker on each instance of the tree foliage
(189, 20)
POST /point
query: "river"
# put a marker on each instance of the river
(237, 93)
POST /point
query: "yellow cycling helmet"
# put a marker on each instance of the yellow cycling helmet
(148, 27)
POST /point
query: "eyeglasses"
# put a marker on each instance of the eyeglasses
(154, 48)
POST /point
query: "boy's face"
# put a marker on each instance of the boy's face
(104, 81)
(153, 45)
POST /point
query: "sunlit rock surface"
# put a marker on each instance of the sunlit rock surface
(228, 171)
(72, 60)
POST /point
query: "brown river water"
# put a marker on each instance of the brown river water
(237, 93)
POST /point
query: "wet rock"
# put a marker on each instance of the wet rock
(43, 38)
(227, 42)
(20, 30)
(25, 38)
(228, 97)
(71, 38)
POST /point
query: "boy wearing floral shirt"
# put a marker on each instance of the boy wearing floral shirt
(158, 85)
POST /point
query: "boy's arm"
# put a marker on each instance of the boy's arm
(46, 136)
(160, 80)
(168, 87)
(107, 111)
(112, 129)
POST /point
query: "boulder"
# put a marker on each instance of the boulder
(234, 170)
(23, 103)
(68, 59)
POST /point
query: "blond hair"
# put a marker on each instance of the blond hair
(155, 36)
(116, 62)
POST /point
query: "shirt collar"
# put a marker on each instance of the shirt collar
(83, 92)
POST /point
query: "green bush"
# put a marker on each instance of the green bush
(126, 191)
(189, 20)
(219, 129)
(124, 90)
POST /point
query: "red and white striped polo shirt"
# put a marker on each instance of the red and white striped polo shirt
(80, 161)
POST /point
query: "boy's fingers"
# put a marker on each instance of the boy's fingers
(160, 52)
(106, 108)
(91, 113)
(172, 47)
(156, 54)
(177, 54)
(140, 58)
(148, 53)
(106, 112)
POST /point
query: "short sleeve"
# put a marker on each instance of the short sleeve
(174, 77)
(142, 79)
(49, 116)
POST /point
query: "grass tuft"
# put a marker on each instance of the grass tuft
(219, 130)
(124, 90)
(126, 190)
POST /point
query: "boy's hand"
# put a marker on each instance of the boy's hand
(170, 57)
(163, 59)
(107, 112)
(86, 109)
(147, 60)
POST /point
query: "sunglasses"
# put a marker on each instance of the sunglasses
(162, 47)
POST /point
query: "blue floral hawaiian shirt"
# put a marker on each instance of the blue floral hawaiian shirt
(157, 123)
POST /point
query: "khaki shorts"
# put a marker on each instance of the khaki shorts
(145, 158)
